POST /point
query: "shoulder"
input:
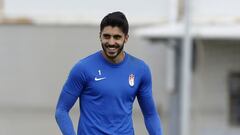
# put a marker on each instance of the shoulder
(138, 62)
(85, 63)
(90, 58)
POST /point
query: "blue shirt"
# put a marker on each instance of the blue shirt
(106, 93)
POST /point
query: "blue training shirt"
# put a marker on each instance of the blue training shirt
(106, 93)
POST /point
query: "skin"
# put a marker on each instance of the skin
(113, 40)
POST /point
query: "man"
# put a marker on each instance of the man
(106, 84)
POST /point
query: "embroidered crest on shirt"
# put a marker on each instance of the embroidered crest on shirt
(131, 80)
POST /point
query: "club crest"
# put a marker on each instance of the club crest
(131, 80)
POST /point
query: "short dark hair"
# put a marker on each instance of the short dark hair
(115, 19)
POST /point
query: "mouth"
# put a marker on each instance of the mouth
(112, 49)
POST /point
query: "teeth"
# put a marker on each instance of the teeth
(111, 48)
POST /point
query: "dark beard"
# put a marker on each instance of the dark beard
(112, 57)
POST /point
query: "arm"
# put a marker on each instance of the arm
(69, 95)
(65, 103)
(151, 117)
(146, 102)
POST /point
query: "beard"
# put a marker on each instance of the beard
(112, 51)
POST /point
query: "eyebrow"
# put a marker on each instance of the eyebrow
(106, 34)
(116, 35)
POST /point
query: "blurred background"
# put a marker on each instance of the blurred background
(192, 48)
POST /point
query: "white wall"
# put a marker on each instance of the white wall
(210, 101)
(35, 61)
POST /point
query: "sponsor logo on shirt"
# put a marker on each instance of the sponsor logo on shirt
(99, 79)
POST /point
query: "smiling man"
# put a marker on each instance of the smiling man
(113, 40)
(106, 84)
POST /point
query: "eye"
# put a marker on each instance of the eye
(117, 37)
(106, 36)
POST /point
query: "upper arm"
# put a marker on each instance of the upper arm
(76, 81)
(144, 95)
(72, 88)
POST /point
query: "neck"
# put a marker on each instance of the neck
(115, 60)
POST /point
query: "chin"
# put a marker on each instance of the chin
(111, 56)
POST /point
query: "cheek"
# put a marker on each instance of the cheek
(103, 41)
(122, 42)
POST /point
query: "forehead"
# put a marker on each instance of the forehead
(112, 30)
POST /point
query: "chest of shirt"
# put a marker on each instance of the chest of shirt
(114, 83)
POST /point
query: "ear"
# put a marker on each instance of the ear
(100, 35)
(126, 38)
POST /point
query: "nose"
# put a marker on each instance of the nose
(111, 41)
